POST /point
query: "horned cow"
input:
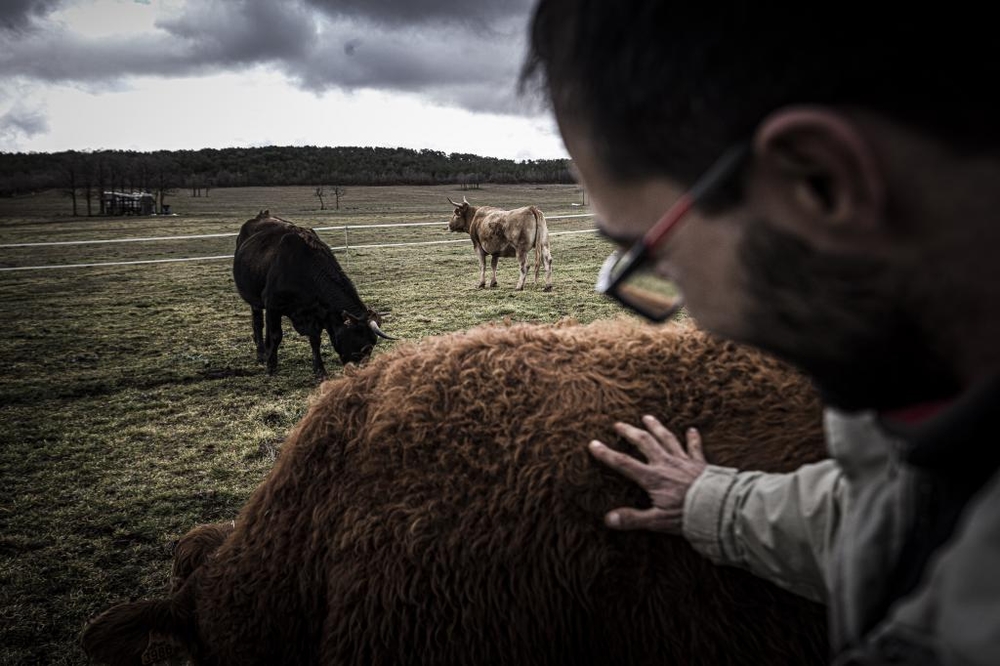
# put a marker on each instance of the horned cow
(285, 270)
(505, 233)
(438, 506)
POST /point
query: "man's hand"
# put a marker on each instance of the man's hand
(668, 472)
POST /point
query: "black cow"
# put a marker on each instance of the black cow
(286, 270)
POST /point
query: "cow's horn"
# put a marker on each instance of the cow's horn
(464, 200)
(378, 331)
(457, 205)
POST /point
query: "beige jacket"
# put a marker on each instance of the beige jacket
(832, 531)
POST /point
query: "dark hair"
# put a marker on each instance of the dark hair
(665, 87)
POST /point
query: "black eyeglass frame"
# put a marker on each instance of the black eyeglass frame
(619, 267)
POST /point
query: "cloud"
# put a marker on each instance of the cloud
(446, 51)
(223, 33)
(19, 15)
(20, 122)
(424, 12)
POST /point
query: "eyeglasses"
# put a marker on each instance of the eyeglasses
(628, 277)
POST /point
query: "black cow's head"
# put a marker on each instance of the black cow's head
(356, 338)
(460, 218)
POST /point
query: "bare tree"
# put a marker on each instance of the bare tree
(71, 179)
(101, 177)
(338, 192)
(165, 179)
(87, 184)
(319, 195)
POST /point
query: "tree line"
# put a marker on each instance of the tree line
(84, 176)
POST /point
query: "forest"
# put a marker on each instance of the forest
(83, 176)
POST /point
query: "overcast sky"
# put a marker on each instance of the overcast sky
(171, 74)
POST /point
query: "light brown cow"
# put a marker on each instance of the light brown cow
(505, 233)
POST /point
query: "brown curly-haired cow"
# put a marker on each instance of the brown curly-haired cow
(439, 506)
(194, 548)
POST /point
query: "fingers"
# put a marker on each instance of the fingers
(660, 447)
(694, 447)
(658, 444)
(664, 436)
(647, 442)
(655, 519)
(669, 472)
(622, 463)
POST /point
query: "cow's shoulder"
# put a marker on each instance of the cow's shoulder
(488, 213)
(522, 212)
(302, 243)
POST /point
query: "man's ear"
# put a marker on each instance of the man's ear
(819, 175)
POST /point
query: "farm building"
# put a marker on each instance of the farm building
(129, 203)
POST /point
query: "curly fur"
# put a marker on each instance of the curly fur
(439, 506)
(194, 548)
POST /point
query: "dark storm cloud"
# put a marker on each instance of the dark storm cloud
(20, 122)
(447, 65)
(210, 36)
(448, 51)
(17, 15)
(420, 12)
(251, 31)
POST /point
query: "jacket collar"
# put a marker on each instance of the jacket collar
(953, 436)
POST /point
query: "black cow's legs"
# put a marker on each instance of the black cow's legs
(272, 340)
(318, 367)
(258, 332)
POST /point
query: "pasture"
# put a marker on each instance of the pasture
(132, 407)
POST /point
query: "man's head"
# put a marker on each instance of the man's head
(849, 237)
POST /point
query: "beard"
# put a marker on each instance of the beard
(844, 320)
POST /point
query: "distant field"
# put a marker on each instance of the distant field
(132, 407)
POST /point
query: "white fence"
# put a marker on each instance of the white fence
(345, 228)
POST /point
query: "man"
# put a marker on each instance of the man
(844, 179)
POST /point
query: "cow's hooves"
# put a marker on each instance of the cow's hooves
(271, 371)
(548, 288)
(481, 286)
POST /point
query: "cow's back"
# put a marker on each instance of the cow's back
(501, 232)
(421, 514)
(256, 250)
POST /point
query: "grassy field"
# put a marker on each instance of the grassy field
(132, 407)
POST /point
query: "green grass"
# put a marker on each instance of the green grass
(132, 407)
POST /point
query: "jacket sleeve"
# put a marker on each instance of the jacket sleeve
(780, 527)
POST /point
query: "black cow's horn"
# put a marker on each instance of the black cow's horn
(378, 331)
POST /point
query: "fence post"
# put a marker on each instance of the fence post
(347, 244)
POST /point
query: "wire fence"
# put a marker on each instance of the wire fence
(345, 228)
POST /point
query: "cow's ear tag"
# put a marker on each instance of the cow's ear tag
(161, 648)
